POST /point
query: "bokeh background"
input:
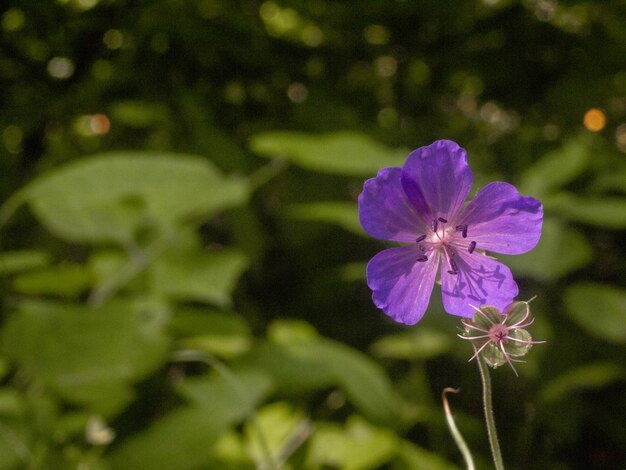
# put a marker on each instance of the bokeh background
(182, 267)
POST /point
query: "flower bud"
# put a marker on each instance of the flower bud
(500, 338)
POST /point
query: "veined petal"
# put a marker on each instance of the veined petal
(402, 285)
(437, 179)
(480, 280)
(500, 219)
(385, 210)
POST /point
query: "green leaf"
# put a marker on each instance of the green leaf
(65, 280)
(614, 181)
(278, 423)
(292, 373)
(314, 363)
(345, 153)
(412, 457)
(110, 196)
(586, 377)
(364, 382)
(599, 309)
(358, 446)
(193, 273)
(15, 443)
(106, 264)
(560, 251)
(557, 168)
(89, 356)
(605, 212)
(139, 114)
(416, 344)
(291, 331)
(184, 438)
(230, 453)
(12, 403)
(4, 367)
(344, 214)
(12, 262)
(219, 333)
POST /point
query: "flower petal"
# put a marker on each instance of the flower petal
(385, 211)
(437, 179)
(480, 280)
(401, 285)
(500, 219)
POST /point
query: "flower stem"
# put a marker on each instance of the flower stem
(489, 419)
(458, 438)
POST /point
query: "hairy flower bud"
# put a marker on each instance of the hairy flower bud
(500, 338)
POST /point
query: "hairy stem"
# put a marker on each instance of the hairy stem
(489, 419)
(458, 438)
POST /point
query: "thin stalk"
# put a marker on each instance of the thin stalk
(458, 438)
(10, 206)
(299, 436)
(16, 443)
(224, 371)
(138, 261)
(265, 174)
(489, 419)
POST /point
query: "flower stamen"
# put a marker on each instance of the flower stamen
(478, 351)
(471, 247)
(508, 358)
(462, 229)
(455, 269)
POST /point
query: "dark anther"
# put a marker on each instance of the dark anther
(420, 238)
(435, 225)
(422, 258)
(462, 229)
(442, 220)
(471, 247)
(455, 269)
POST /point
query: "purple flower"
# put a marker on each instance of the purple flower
(422, 205)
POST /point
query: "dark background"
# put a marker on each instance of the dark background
(534, 90)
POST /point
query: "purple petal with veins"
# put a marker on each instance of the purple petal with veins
(401, 287)
(437, 179)
(480, 280)
(385, 210)
(500, 219)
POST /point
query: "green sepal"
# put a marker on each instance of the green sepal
(516, 312)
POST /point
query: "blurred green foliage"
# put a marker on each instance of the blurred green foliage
(181, 261)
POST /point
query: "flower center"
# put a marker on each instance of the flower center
(438, 237)
(444, 239)
(439, 232)
(498, 333)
